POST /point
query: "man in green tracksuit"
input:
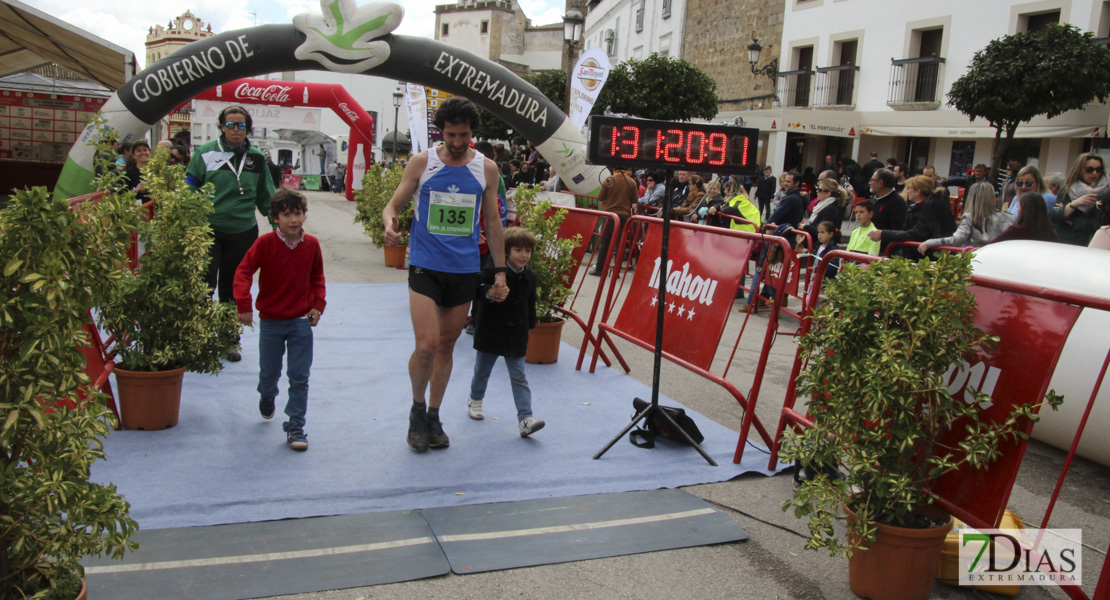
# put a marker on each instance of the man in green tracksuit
(241, 177)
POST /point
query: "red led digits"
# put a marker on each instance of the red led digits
(614, 141)
(698, 145)
(665, 150)
(718, 142)
(669, 145)
(633, 144)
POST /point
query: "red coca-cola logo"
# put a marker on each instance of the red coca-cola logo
(272, 93)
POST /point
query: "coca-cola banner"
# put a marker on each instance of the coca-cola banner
(323, 41)
(704, 273)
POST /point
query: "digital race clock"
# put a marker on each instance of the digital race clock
(640, 143)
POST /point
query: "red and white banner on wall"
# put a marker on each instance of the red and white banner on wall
(34, 126)
(704, 274)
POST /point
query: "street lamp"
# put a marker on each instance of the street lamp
(572, 31)
(397, 97)
(772, 68)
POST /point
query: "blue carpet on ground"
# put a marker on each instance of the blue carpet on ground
(223, 464)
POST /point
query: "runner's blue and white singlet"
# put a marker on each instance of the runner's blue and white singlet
(445, 228)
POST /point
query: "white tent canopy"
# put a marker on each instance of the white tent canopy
(30, 38)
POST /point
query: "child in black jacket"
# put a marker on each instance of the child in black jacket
(501, 329)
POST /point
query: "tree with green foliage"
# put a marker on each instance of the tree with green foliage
(658, 87)
(58, 263)
(1021, 76)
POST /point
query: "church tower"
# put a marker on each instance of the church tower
(160, 43)
(163, 41)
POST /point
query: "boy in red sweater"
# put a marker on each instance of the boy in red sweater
(290, 300)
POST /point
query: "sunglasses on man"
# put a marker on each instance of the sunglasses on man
(240, 125)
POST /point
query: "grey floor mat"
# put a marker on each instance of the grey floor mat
(507, 535)
(251, 560)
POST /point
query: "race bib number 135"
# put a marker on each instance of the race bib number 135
(451, 213)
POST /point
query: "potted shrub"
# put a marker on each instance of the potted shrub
(554, 264)
(162, 315)
(878, 354)
(56, 267)
(378, 186)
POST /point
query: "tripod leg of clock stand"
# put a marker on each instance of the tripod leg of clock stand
(659, 316)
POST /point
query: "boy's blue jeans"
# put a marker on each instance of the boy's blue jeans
(522, 396)
(274, 337)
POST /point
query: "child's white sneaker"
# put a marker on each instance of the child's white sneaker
(528, 426)
(474, 407)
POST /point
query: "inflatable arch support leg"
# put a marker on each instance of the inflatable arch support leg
(344, 38)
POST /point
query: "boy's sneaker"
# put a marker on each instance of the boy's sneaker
(266, 408)
(474, 408)
(297, 439)
(436, 437)
(234, 356)
(528, 426)
(418, 429)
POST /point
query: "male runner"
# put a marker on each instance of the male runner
(451, 182)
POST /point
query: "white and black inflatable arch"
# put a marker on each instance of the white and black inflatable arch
(344, 38)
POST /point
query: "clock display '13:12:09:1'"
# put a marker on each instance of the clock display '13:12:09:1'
(672, 145)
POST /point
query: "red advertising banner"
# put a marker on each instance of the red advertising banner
(291, 181)
(34, 126)
(1031, 333)
(702, 279)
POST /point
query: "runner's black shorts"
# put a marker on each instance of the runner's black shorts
(446, 289)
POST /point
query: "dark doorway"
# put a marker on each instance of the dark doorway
(928, 73)
(846, 79)
(805, 63)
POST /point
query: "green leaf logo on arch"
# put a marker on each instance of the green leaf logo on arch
(342, 38)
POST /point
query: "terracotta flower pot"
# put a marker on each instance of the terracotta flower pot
(84, 593)
(543, 343)
(149, 400)
(901, 564)
(395, 255)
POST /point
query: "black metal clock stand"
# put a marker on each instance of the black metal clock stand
(653, 410)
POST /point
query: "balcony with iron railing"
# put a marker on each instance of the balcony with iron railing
(915, 83)
(794, 88)
(836, 87)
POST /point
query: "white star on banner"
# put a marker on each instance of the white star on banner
(671, 309)
(690, 315)
(654, 300)
(681, 310)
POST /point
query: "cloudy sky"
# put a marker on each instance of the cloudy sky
(126, 23)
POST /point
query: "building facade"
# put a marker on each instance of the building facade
(717, 35)
(500, 31)
(636, 28)
(857, 76)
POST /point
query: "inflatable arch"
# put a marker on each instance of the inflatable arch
(344, 38)
(317, 95)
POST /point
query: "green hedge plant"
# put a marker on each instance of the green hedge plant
(378, 186)
(878, 356)
(162, 314)
(57, 265)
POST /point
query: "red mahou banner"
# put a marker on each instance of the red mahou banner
(702, 278)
